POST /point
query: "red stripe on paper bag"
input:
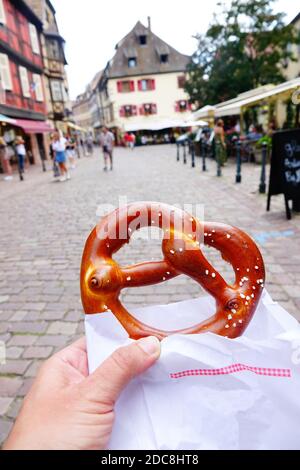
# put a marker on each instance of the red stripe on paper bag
(266, 371)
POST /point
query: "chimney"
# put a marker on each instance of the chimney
(149, 22)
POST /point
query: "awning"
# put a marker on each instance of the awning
(33, 127)
(198, 123)
(156, 125)
(205, 112)
(235, 106)
(6, 119)
(75, 127)
(97, 124)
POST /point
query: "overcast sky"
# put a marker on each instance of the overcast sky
(92, 28)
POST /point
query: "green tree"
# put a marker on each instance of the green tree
(247, 45)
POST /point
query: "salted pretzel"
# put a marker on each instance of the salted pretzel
(102, 278)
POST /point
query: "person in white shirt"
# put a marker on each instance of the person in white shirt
(59, 149)
(21, 153)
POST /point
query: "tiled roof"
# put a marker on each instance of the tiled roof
(297, 18)
(147, 56)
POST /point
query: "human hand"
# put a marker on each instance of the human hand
(66, 409)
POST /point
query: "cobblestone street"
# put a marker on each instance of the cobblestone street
(44, 225)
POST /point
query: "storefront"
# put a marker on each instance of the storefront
(267, 104)
(34, 133)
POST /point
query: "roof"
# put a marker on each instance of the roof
(27, 10)
(96, 79)
(296, 19)
(52, 31)
(148, 56)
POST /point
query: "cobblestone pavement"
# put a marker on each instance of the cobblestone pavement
(44, 225)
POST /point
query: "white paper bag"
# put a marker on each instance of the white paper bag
(206, 391)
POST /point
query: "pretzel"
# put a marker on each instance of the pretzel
(102, 278)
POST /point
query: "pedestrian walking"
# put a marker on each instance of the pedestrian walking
(59, 148)
(70, 152)
(5, 163)
(107, 140)
(21, 154)
(89, 145)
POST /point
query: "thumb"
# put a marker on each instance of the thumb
(107, 382)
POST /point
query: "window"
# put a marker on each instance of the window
(24, 82)
(56, 90)
(38, 87)
(2, 13)
(53, 49)
(164, 58)
(34, 39)
(132, 62)
(5, 76)
(125, 86)
(146, 84)
(143, 39)
(65, 94)
(181, 81)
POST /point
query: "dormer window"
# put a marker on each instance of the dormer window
(132, 62)
(143, 40)
(164, 58)
(131, 56)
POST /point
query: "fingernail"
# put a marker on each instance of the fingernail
(150, 345)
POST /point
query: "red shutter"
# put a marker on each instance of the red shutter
(140, 85)
(119, 86)
(154, 108)
(190, 106)
(141, 110)
(131, 85)
(152, 84)
(177, 107)
(122, 112)
(134, 110)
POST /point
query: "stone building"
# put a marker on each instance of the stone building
(86, 109)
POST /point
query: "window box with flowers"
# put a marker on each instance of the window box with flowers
(182, 106)
(148, 109)
(128, 110)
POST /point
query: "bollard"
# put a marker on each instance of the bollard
(203, 153)
(178, 155)
(184, 153)
(193, 154)
(264, 152)
(218, 158)
(238, 178)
